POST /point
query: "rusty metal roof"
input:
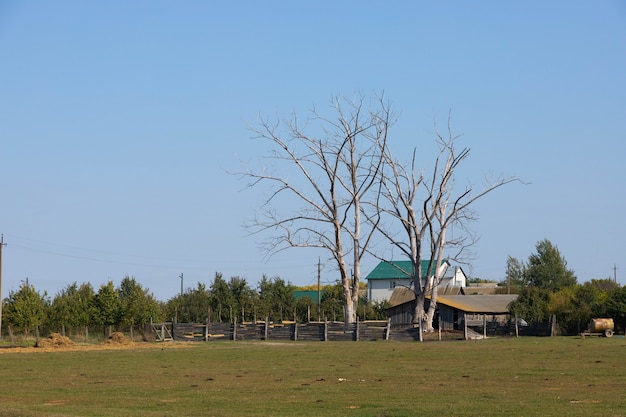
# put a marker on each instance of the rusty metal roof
(490, 304)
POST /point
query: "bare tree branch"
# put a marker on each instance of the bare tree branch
(430, 220)
(337, 169)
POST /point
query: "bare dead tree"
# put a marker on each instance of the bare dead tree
(428, 208)
(330, 174)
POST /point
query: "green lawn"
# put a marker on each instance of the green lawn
(496, 377)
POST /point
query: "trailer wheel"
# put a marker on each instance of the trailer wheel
(608, 333)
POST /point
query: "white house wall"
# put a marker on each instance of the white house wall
(381, 289)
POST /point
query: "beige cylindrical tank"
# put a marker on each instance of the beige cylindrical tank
(600, 325)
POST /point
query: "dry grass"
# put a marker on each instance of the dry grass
(55, 340)
(497, 377)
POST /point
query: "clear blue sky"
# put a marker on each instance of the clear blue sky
(119, 119)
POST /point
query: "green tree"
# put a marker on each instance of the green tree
(306, 309)
(547, 269)
(515, 276)
(616, 307)
(574, 306)
(107, 306)
(276, 298)
(137, 304)
(244, 298)
(563, 305)
(377, 310)
(25, 308)
(332, 302)
(72, 307)
(532, 305)
(193, 306)
(222, 300)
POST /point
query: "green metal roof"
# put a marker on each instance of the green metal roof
(396, 270)
(312, 294)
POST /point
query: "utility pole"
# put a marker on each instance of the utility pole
(1, 245)
(319, 293)
(508, 279)
(614, 273)
(181, 284)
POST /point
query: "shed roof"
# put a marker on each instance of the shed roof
(488, 304)
(397, 270)
(401, 295)
(492, 304)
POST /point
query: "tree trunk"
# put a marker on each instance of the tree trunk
(430, 316)
(350, 312)
(418, 311)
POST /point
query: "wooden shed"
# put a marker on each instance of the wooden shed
(451, 308)
(476, 309)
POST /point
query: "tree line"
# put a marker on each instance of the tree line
(131, 304)
(544, 284)
(546, 287)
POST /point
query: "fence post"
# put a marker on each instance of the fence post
(356, 331)
(388, 329)
(267, 327)
(295, 330)
(439, 324)
(516, 327)
(465, 326)
(63, 330)
(325, 329)
(484, 326)
(206, 330)
(234, 329)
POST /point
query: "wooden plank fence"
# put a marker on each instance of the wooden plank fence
(317, 331)
(332, 330)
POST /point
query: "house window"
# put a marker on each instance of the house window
(392, 285)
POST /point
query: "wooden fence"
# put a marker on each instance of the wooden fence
(318, 331)
(484, 325)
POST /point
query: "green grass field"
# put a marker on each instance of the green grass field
(496, 377)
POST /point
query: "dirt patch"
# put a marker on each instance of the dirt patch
(118, 338)
(55, 340)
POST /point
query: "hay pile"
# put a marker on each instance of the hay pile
(118, 338)
(53, 341)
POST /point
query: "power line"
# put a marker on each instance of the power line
(92, 259)
(173, 263)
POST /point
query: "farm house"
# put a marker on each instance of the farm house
(387, 276)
